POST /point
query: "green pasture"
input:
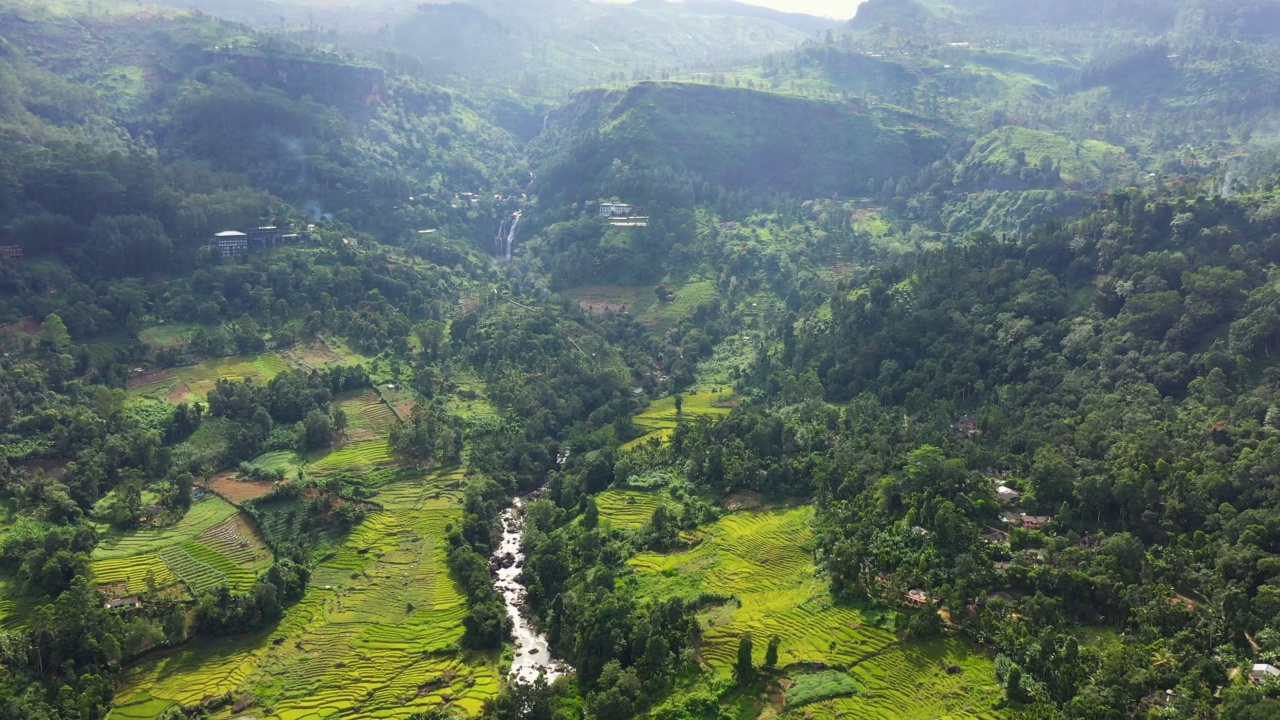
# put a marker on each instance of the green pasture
(469, 399)
(374, 637)
(170, 335)
(762, 562)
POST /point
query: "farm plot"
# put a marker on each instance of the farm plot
(635, 299)
(368, 417)
(118, 577)
(212, 546)
(13, 606)
(193, 383)
(469, 400)
(763, 561)
(629, 509)
(375, 636)
(237, 491)
(311, 356)
(354, 457)
(201, 517)
(171, 335)
(688, 297)
(660, 418)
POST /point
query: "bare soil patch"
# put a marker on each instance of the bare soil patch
(179, 393)
(404, 410)
(237, 491)
(115, 589)
(751, 500)
(146, 378)
(28, 325)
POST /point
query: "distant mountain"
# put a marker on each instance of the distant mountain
(549, 47)
(799, 21)
(652, 137)
(1212, 18)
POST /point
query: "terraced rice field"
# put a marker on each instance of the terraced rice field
(373, 638)
(13, 607)
(354, 457)
(193, 383)
(761, 559)
(660, 418)
(202, 516)
(284, 462)
(212, 546)
(629, 509)
(128, 575)
(368, 417)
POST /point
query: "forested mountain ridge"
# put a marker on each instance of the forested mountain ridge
(781, 144)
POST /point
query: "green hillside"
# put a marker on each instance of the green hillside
(733, 138)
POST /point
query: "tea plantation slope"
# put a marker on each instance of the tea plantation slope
(761, 560)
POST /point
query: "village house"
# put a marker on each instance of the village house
(1035, 521)
(966, 427)
(11, 252)
(124, 602)
(1162, 699)
(917, 597)
(997, 537)
(1263, 672)
(1007, 494)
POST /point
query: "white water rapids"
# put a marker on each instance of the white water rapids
(533, 653)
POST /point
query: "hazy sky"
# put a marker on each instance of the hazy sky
(842, 9)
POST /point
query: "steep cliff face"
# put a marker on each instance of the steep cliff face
(737, 139)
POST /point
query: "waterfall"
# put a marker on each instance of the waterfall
(511, 235)
(500, 239)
